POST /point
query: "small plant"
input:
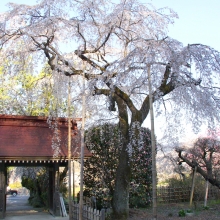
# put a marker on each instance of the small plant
(206, 207)
(182, 213)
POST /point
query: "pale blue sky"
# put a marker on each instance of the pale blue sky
(199, 20)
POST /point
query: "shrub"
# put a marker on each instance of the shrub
(182, 213)
(104, 142)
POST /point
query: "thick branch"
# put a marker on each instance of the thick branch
(164, 89)
(192, 164)
(126, 99)
(105, 92)
(81, 55)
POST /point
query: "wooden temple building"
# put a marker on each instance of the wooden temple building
(36, 141)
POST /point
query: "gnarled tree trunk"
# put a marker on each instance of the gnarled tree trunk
(121, 193)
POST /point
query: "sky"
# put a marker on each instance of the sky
(198, 22)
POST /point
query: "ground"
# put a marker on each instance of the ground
(18, 208)
(171, 212)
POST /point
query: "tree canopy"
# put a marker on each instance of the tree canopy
(26, 94)
(112, 44)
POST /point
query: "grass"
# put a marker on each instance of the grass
(214, 202)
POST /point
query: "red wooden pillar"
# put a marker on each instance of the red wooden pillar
(2, 190)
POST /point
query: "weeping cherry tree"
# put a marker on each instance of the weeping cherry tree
(112, 45)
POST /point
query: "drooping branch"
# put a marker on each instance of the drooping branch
(103, 43)
(83, 38)
(96, 50)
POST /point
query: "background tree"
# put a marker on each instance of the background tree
(30, 94)
(104, 142)
(205, 154)
(36, 179)
(26, 94)
(112, 46)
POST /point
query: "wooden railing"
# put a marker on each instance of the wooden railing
(89, 210)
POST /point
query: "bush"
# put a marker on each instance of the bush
(182, 213)
(104, 142)
(140, 187)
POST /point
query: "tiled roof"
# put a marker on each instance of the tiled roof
(31, 137)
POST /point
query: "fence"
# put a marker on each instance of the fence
(182, 194)
(89, 213)
(171, 195)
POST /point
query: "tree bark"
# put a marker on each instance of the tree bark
(120, 203)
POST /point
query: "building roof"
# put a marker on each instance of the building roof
(37, 138)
